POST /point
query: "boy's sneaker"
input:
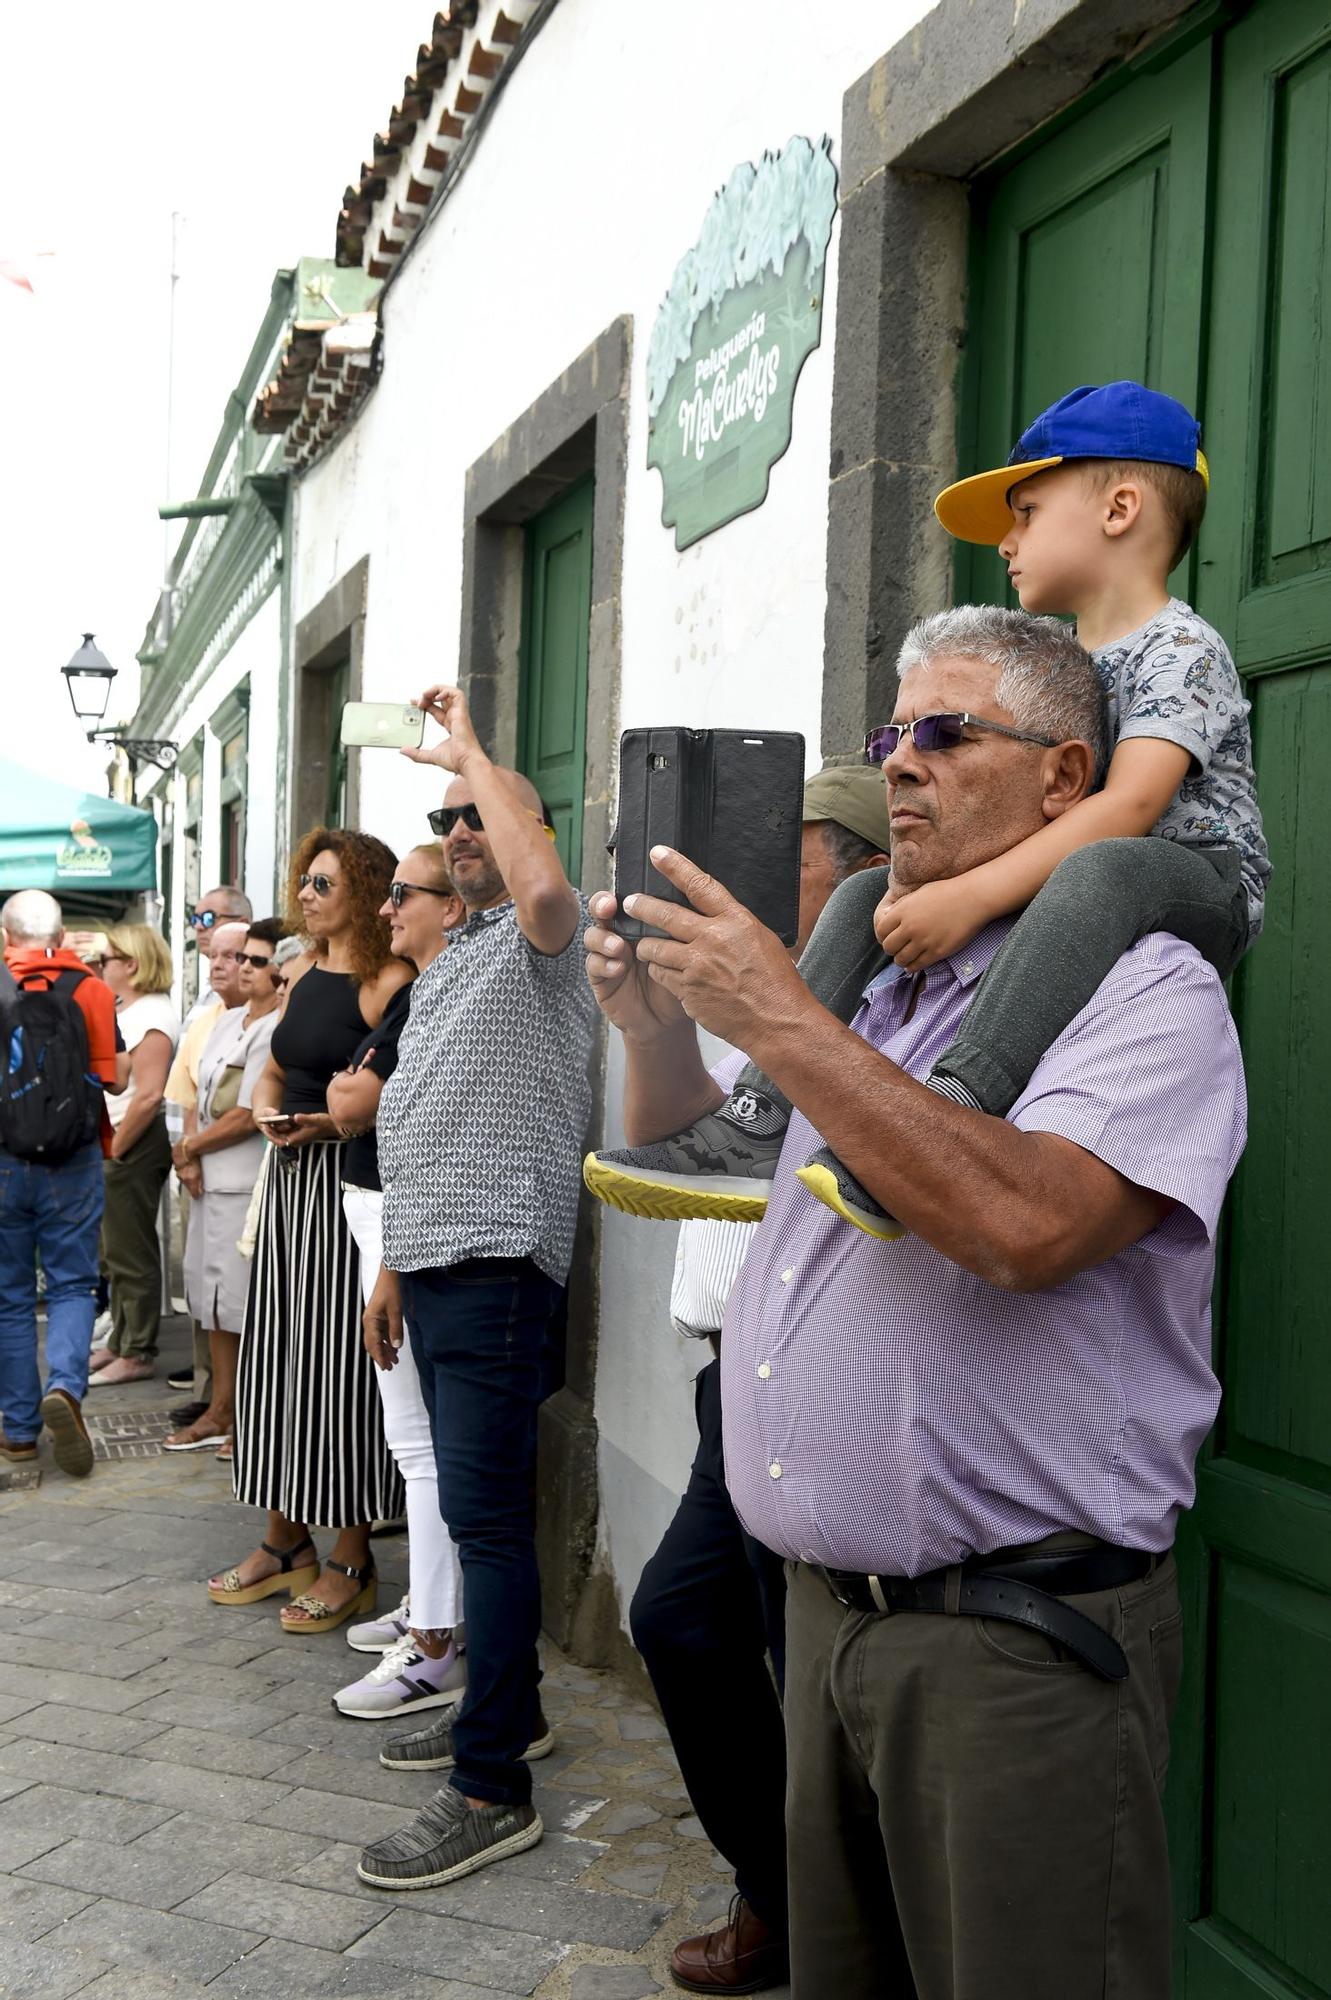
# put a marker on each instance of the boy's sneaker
(431, 1748)
(447, 1839)
(837, 1188)
(180, 1379)
(380, 1635)
(405, 1678)
(721, 1168)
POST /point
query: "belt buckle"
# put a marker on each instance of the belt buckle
(878, 1595)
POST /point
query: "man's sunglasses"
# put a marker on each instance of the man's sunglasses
(200, 920)
(939, 732)
(254, 958)
(444, 818)
(322, 885)
(398, 892)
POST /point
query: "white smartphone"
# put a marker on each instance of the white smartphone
(383, 725)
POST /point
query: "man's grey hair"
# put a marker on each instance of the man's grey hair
(30, 916)
(1046, 681)
(232, 902)
(847, 849)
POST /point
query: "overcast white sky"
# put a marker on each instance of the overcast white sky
(249, 120)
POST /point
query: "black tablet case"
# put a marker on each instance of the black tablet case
(730, 799)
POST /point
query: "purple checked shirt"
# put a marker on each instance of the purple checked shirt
(887, 1412)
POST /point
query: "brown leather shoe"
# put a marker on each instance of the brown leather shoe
(64, 1419)
(16, 1452)
(744, 1956)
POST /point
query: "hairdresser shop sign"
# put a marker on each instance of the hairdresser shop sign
(743, 313)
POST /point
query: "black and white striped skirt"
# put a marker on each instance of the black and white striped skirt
(309, 1422)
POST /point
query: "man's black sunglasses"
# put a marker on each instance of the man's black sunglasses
(444, 818)
(200, 920)
(939, 732)
(398, 892)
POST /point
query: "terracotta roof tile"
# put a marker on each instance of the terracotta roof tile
(468, 45)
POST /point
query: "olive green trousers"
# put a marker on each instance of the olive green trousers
(971, 1813)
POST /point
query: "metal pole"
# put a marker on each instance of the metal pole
(176, 220)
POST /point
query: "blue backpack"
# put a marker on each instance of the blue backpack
(50, 1103)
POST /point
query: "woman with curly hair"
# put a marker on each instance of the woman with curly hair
(309, 1438)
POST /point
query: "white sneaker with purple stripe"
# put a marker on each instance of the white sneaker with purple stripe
(404, 1679)
(380, 1635)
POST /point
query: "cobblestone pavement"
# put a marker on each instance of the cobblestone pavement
(181, 1809)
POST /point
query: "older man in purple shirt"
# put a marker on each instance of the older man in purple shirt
(972, 1445)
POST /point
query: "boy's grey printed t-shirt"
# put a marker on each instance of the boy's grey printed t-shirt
(1174, 679)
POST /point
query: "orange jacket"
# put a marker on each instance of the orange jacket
(95, 1001)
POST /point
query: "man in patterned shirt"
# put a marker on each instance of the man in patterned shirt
(480, 1134)
(971, 1444)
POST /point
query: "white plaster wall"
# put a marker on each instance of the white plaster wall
(590, 182)
(256, 654)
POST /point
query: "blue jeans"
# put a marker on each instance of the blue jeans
(478, 1331)
(54, 1213)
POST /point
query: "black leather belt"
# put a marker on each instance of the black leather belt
(1021, 1589)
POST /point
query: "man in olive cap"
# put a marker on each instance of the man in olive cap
(710, 1606)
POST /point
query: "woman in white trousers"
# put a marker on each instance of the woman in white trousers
(422, 1664)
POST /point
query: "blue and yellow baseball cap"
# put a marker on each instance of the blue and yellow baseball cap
(1119, 420)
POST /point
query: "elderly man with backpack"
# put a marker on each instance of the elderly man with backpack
(57, 1058)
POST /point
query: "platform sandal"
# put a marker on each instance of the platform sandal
(232, 1591)
(320, 1617)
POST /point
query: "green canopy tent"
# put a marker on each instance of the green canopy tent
(93, 853)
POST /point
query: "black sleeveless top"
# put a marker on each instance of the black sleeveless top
(317, 1036)
(377, 1051)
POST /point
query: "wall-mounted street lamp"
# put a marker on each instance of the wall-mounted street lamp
(88, 676)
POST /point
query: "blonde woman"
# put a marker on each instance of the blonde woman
(137, 968)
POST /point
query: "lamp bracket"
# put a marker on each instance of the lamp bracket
(139, 749)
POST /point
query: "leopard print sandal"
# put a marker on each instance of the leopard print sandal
(311, 1614)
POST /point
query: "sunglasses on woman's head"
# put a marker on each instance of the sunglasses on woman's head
(939, 732)
(398, 892)
(444, 818)
(322, 885)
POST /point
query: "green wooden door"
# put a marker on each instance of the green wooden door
(1258, 1766)
(1179, 231)
(556, 615)
(1085, 269)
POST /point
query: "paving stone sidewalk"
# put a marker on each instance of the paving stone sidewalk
(181, 1808)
